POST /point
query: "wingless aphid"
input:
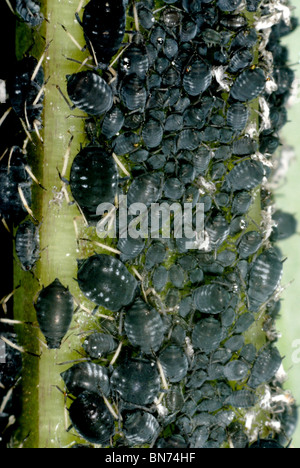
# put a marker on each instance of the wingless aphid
(54, 308)
(93, 180)
(30, 12)
(106, 281)
(103, 25)
(27, 244)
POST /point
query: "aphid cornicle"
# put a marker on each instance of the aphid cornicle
(103, 25)
(106, 281)
(93, 180)
(91, 418)
(54, 308)
(27, 244)
(89, 92)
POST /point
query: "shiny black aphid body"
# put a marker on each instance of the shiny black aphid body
(54, 308)
(23, 91)
(89, 92)
(27, 244)
(30, 12)
(136, 381)
(11, 179)
(86, 376)
(106, 281)
(91, 418)
(103, 24)
(93, 180)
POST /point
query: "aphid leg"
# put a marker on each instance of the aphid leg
(41, 92)
(17, 347)
(25, 129)
(25, 204)
(136, 17)
(32, 176)
(82, 64)
(116, 355)
(5, 225)
(162, 375)
(6, 113)
(71, 107)
(119, 163)
(5, 299)
(72, 38)
(39, 64)
(10, 6)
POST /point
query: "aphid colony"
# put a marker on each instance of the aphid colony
(178, 110)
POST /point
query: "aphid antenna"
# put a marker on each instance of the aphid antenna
(41, 91)
(7, 397)
(32, 176)
(65, 394)
(5, 299)
(3, 221)
(17, 347)
(25, 204)
(73, 361)
(10, 7)
(26, 131)
(71, 107)
(82, 64)
(120, 164)
(39, 64)
(6, 113)
(117, 354)
(73, 39)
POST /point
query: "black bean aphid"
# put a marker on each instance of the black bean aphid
(197, 78)
(265, 367)
(211, 299)
(248, 85)
(91, 418)
(106, 281)
(136, 381)
(144, 327)
(246, 175)
(265, 276)
(30, 12)
(23, 91)
(11, 179)
(27, 244)
(98, 345)
(140, 428)
(86, 376)
(103, 25)
(228, 5)
(93, 180)
(89, 92)
(54, 308)
(174, 363)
